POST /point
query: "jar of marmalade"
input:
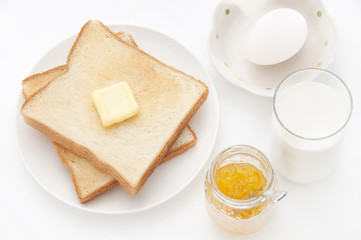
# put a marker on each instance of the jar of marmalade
(241, 189)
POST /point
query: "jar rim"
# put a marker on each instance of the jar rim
(249, 202)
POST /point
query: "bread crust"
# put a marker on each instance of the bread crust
(82, 197)
(86, 153)
(131, 39)
(181, 149)
(59, 70)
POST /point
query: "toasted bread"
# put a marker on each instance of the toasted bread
(129, 151)
(89, 181)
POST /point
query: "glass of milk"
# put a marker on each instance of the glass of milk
(311, 108)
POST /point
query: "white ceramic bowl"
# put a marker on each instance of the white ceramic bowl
(232, 22)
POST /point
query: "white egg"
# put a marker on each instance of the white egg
(276, 36)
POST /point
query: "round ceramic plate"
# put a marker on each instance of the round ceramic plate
(232, 22)
(168, 179)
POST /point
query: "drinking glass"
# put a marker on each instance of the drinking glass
(311, 108)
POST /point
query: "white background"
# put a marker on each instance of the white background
(328, 209)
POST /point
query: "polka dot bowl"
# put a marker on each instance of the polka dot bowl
(232, 22)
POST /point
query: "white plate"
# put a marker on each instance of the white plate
(232, 21)
(168, 179)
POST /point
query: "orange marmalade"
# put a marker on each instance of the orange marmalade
(241, 181)
(235, 183)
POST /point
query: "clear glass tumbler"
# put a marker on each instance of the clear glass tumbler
(311, 108)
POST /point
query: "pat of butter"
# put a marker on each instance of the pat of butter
(115, 103)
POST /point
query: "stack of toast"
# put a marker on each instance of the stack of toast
(59, 104)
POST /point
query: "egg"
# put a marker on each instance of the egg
(276, 36)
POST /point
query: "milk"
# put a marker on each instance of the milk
(305, 138)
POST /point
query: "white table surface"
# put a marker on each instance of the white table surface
(328, 209)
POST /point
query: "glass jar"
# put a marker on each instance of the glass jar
(250, 214)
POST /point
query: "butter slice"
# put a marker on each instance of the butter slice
(115, 103)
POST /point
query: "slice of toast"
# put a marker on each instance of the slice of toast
(89, 181)
(129, 151)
